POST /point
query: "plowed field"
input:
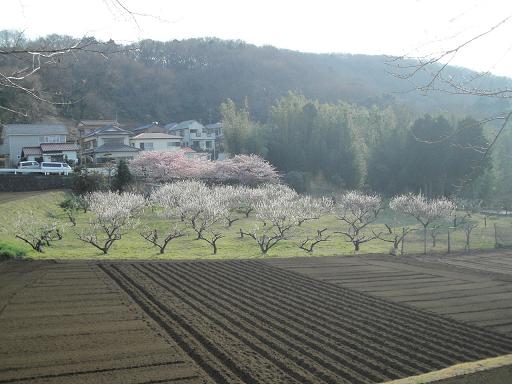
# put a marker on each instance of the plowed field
(215, 322)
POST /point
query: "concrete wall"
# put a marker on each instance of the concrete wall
(31, 182)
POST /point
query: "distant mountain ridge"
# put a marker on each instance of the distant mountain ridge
(189, 79)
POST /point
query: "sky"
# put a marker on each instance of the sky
(415, 28)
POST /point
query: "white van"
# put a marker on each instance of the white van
(28, 165)
(48, 167)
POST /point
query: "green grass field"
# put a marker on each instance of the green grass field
(133, 246)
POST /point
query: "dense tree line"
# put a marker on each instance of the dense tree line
(350, 146)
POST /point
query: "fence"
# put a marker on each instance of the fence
(456, 239)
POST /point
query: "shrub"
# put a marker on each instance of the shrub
(85, 182)
(296, 180)
(8, 251)
(122, 178)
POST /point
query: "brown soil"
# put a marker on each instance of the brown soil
(218, 322)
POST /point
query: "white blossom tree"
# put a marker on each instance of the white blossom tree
(230, 198)
(247, 197)
(36, 231)
(276, 214)
(310, 208)
(165, 201)
(357, 211)
(199, 207)
(113, 215)
(425, 211)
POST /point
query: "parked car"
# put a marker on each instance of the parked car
(60, 168)
(28, 165)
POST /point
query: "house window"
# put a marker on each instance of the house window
(52, 139)
(208, 144)
(113, 140)
(173, 144)
(146, 146)
(195, 143)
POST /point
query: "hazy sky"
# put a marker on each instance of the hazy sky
(394, 27)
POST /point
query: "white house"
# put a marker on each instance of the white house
(15, 137)
(148, 141)
(195, 135)
(106, 144)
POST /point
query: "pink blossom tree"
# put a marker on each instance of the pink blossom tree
(163, 167)
(247, 170)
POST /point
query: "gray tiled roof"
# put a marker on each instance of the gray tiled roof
(113, 148)
(46, 147)
(31, 151)
(35, 129)
(183, 125)
(108, 130)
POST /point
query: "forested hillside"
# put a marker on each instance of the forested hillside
(189, 79)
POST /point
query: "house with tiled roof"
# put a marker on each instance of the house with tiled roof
(154, 127)
(15, 137)
(59, 152)
(108, 143)
(86, 127)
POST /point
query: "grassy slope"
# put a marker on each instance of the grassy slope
(132, 246)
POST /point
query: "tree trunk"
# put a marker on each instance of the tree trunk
(356, 246)
(425, 240)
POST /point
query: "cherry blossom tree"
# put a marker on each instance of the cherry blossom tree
(358, 210)
(425, 211)
(113, 215)
(249, 170)
(164, 167)
(36, 231)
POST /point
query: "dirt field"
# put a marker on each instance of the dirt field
(475, 288)
(216, 322)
